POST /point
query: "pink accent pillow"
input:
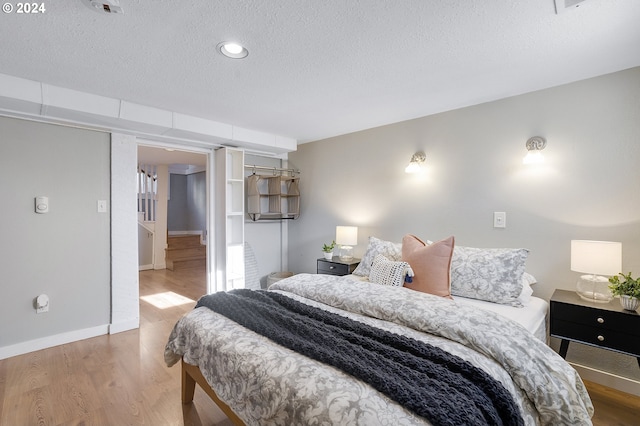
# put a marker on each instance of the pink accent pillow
(431, 264)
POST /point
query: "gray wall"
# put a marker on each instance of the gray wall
(187, 206)
(197, 201)
(64, 253)
(587, 189)
(177, 217)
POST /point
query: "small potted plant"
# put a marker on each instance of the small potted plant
(328, 250)
(627, 288)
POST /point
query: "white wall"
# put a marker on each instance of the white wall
(125, 310)
(160, 235)
(588, 188)
(64, 253)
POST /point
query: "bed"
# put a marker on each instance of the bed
(258, 381)
(532, 315)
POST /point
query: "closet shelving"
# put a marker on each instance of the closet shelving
(230, 231)
(273, 196)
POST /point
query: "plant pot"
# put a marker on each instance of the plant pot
(328, 256)
(629, 303)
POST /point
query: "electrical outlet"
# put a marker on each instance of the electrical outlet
(499, 219)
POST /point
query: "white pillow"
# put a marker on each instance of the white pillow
(527, 281)
(388, 272)
(392, 251)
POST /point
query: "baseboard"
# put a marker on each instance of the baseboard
(119, 327)
(623, 384)
(145, 267)
(160, 266)
(51, 341)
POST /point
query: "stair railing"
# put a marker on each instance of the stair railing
(147, 191)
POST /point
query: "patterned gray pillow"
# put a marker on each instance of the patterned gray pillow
(392, 251)
(388, 272)
(494, 275)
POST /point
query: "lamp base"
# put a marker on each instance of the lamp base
(346, 253)
(594, 288)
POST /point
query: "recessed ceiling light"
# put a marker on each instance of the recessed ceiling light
(232, 50)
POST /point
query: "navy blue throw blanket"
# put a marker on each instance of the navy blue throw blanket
(430, 382)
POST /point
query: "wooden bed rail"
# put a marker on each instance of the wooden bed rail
(192, 375)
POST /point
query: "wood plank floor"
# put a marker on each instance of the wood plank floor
(121, 379)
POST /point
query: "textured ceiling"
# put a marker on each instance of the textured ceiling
(319, 68)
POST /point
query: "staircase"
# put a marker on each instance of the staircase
(185, 251)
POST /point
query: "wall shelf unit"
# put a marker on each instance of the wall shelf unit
(229, 237)
(273, 197)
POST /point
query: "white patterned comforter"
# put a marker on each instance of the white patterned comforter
(266, 384)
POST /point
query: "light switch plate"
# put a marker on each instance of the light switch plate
(102, 206)
(499, 219)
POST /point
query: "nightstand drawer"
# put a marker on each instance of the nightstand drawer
(332, 268)
(598, 319)
(604, 325)
(597, 336)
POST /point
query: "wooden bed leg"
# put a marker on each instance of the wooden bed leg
(192, 375)
(188, 386)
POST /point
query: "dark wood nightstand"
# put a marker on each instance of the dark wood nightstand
(335, 266)
(605, 325)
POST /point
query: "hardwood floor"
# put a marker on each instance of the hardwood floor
(118, 379)
(121, 379)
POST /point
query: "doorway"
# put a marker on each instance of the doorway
(174, 206)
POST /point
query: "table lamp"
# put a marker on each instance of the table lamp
(347, 237)
(595, 258)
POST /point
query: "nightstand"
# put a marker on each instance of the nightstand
(335, 266)
(604, 325)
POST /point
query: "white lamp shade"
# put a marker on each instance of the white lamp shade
(596, 257)
(347, 235)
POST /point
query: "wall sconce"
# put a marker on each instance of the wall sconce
(595, 258)
(346, 236)
(534, 145)
(417, 162)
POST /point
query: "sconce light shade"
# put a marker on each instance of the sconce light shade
(417, 162)
(535, 145)
(347, 237)
(595, 258)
